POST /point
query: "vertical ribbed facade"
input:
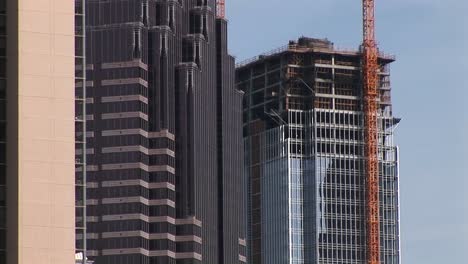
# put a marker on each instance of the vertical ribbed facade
(3, 106)
(230, 155)
(304, 149)
(164, 158)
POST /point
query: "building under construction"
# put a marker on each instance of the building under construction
(305, 145)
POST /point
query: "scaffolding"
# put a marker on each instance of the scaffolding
(80, 131)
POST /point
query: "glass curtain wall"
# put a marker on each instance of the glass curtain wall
(312, 205)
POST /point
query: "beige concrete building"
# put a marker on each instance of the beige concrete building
(40, 150)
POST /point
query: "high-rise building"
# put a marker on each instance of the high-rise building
(303, 131)
(164, 135)
(37, 142)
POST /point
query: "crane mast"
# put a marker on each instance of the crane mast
(370, 91)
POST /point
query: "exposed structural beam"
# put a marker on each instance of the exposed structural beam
(220, 9)
(306, 85)
(274, 113)
(370, 82)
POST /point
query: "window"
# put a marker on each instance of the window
(171, 17)
(2, 88)
(2, 196)
(2, 153)
(144, 11)
(2, 67)
(2, 243)
(2, 11)
(2, 174)
(2, 46)
(136, 43)
(158, 16)
(2, 220)
(2, 132)
(2, 24)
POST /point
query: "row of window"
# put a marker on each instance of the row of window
(130, 157)
(123, 123)
(139, 258)
(131, 191)
(119, 107)
(140, 242)
(329, 255)
(131, 174)
(117, 90)
(123, 73)
(139, 225)
(132, 140)
(131, 208)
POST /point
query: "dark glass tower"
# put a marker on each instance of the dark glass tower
(165, 160)
(303, 129)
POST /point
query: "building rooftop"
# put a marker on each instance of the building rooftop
(305, 44)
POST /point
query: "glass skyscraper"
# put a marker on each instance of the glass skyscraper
(304, 145)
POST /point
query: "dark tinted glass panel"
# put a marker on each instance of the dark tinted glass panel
(2, 131)
(2, 153)
(2, 46)
(2, 110)
(2, 88)
(2, 239)
(2, 195)
(2, 174)
(2, 24)
(2, 218)
(2, 68)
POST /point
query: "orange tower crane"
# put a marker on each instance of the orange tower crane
(220, 9)
(370, 82)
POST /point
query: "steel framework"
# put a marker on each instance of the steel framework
(370, 82)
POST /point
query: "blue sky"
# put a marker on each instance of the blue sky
(430, 93)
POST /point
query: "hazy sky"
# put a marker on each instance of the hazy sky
(430, 93)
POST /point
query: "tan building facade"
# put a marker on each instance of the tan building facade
(40, 178)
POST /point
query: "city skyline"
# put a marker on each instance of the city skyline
(157, 138)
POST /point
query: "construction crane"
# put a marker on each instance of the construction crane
(220, 8)
(370, 91)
